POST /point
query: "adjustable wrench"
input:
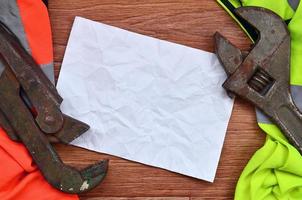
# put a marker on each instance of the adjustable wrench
(262, 74)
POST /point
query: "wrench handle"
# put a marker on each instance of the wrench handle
(289, 119)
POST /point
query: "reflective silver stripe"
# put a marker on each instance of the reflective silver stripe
(48, 70)
(1, 68)
(262, 118)
(294, 4)
(296, 92)
(10, 16)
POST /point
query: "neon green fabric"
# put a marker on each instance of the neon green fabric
(275, 170)
(278, 6)
(296, 47)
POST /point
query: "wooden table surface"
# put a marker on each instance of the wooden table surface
(188, 22)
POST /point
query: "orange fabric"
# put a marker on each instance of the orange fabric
(36, 24)
(20, 179)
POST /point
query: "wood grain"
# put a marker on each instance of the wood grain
(192, 23)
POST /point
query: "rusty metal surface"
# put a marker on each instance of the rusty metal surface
(38, 88)
(36, 129)
(262, 76)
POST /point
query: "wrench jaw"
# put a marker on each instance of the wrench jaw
(94, 175)
(72, 181)
(230, 60)
(270, 27)
(272, 30)
(71, 130)
(229, 56)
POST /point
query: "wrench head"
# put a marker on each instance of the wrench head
(263, 75)
(265, 69)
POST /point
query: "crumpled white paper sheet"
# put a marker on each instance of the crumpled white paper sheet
(146, 100)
